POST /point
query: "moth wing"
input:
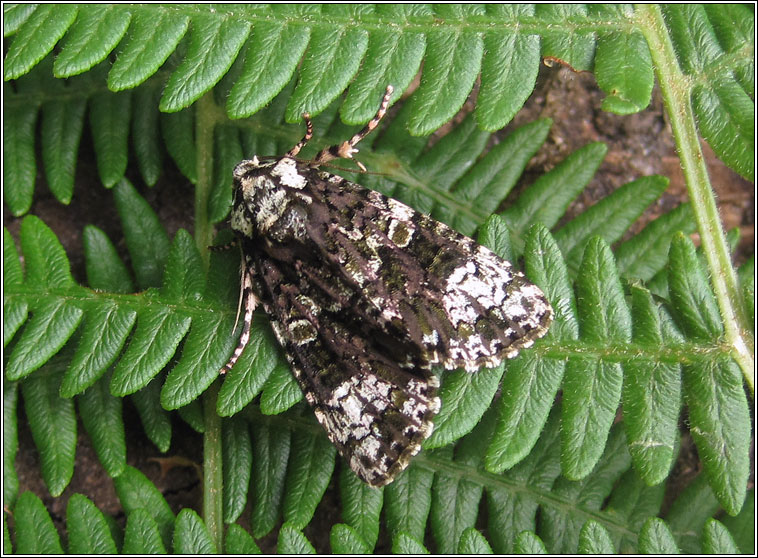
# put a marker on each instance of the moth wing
(374, 411)
(457, 301)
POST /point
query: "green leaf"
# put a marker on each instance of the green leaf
(403, 543)
(573, 46)
(280, 391)
(37, 37)
(146, 239)
(51, 325)
(35, 532)
(155, 420)
(453, 59)
(560, 526)
(746, 274)
(183, 279)
(308, 472)
(109, 116)
(137, 493)
(228, 152)
(724, 111)
(594, 539)
(238, 541)
(720, 425)
(10, 442)
(532, 380)
(145, 134)
(213, 45)
(19, 165)
(609, 218)
(203, 355)
(13, 273)
(247, 378)
(141, 535)
(455, 499)
(651, 395)
(52, 421)
(695, 306)
(62, 123)
(529, 543)
(742, 525)
(592, 386)
(152, 37)
(45, 260)
(14, 16)
(407, 502)
(510, 512)
(717, 540)
(624, 71)
(102, 418)
(292, 541)
(473, 542)
(237, 454)
(274, 50)
(395, 59)
(489, 181)
(509, 70)
(332, 59)
(646, 253)
(105, 330)
(464, 397)
(105, 269)
(159, 332)
(191, 535)
(95, 33)
(271, 449)
(192, 414)
(346, 540)
(361, 506)
(687, 516)
(15, 312)
(655, 538)
(88, 531)
(632, 502)
(546, 200)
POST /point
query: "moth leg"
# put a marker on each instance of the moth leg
(346, 149)
(223, 247)
(308, 135)
(248, 301)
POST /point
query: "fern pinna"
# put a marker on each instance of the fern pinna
(654, 326)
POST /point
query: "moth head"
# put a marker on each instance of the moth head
(263, 196)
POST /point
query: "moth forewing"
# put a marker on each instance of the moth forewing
(365, 294)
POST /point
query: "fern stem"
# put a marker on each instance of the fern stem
(213, 483)
(204, 123)
(676, 89)
(213, 512)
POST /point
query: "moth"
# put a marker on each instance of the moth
(366, 295)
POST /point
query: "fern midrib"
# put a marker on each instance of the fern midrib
(88, 298)
(676, 92)
(479, 23)
(680, 353)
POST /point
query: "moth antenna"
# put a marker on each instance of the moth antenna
(308, 135)
(346, 149)
(241, 297)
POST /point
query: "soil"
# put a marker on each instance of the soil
(638, 145)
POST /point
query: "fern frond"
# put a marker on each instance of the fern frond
(150, 75)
